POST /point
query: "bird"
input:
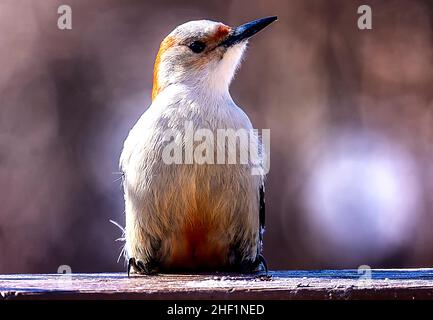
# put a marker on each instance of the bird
(190, 216)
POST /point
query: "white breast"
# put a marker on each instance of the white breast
(162, 199)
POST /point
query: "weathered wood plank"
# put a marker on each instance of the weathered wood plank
(324, 284)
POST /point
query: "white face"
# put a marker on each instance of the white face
(192, 54)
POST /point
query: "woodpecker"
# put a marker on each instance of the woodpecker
(193, 216)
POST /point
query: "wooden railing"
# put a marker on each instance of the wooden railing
(323, 285)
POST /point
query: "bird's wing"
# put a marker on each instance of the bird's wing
(262, 212)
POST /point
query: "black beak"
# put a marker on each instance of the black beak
(246, 31)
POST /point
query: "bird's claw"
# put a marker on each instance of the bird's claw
(137, 265)
(261, 259)
(264, 277)
(140, 267)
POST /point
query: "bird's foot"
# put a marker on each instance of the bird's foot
(261, 263)
(140, 267)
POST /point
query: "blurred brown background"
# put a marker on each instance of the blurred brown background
(350, 114)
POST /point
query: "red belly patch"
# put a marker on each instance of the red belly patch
(194, 249)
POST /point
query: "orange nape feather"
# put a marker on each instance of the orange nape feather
(167, 43)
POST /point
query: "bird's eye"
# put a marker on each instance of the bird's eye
(197, 46)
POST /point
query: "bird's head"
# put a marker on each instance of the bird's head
(202, 54)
